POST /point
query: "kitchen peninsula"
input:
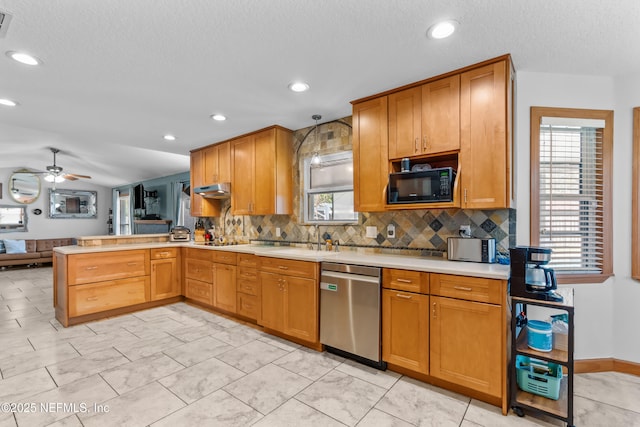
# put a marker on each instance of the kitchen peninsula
(466, 303)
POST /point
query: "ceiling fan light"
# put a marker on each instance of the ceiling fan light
(54, 178)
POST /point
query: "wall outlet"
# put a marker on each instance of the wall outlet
(372, 232)
(465, 231)
(278, 231)
(391, 231)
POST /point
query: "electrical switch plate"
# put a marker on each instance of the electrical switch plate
(391, 231)
(372, 232)
(278, 231)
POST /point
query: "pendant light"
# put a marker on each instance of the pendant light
(316, 158)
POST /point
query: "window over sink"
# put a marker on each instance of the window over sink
(328, 189)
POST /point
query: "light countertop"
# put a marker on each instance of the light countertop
(346, 255)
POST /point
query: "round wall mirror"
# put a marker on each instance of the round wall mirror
(24, 187)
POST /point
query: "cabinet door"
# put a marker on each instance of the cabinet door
(103, 296)
(201, 207)
(197, 179)
(441, 115)
(272, 302)
(301, 308)
(405, 123)
(405, 330)
(370, 155)
(264, 198)
(210, 165)
(164, 279)
(243, 183)
(224, 287)
(485, 145)
(198, 269)
(199, 291)
(466, 344)
(224, 162)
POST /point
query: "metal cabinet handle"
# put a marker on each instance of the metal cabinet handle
(417, 144)
(283, 267)
(163, 254)
(131, 264)
(424, 143)
(93, 267)
(404, 281)
(465, 195)
(404, 296)
(92, 299)
(434, 310)
(463, 288)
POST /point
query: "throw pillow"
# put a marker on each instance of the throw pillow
(15, 246)
(2, 249)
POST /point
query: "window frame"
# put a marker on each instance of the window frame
(537, 113)
(306, 190)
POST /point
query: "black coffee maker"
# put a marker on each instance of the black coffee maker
(529, 279)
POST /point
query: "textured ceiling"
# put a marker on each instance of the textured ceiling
(119, 74)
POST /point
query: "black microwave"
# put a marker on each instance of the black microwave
(425, 186)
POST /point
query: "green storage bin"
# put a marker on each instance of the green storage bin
(539, 377)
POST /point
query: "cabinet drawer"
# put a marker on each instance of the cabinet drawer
(248, 306)
(224, 257)
(247, 281)
(102, 266)
(289, 267)
(199, 291)
(467, 288)
(198, 269)
(405, 280)
(93, 298)
(164, 253)
(248, 260)
(203, 254)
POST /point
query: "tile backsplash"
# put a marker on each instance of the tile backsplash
(422, 229)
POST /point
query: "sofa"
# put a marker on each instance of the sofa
(38, 251)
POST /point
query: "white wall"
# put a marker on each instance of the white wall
(605, 323)
(42, 227)
(627, 290)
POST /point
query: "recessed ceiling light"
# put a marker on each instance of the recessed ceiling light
(169, 137)
(8, 102)
(298, 87)
(218, 117)
(24, 58)
(442, 29)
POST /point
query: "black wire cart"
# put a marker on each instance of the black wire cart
(541, 381)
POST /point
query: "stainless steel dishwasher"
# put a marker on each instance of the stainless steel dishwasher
(350, 312)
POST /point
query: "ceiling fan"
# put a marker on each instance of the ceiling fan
(55, 174)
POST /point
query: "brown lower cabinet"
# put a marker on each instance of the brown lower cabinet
(405, 329)
(224, 287)
(97, 297)
(466, 344)
(447, 329)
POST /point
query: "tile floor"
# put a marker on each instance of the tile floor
(182, 366)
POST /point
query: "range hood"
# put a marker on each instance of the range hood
(214, 191)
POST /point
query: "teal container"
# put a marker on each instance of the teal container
(539, 335)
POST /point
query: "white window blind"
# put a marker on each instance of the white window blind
(571, 194)
(328, 193)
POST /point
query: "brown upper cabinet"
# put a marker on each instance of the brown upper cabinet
(208, 165)
(370, 158)
(425, 119)
(461, 119)
(261, 173)
(258, 166)
(217, 163)
(485, 137)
